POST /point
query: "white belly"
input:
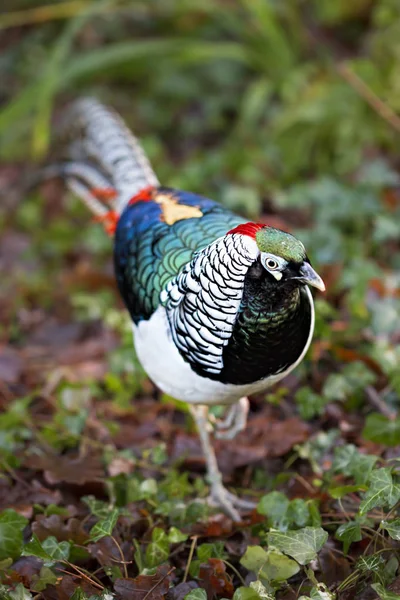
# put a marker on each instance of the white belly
(165, 366)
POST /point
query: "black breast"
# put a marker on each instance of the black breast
(271, 330)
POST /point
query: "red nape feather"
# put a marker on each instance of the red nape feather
(249, 229)
(109, 221)
(145, 195)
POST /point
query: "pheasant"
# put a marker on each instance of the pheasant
(220, 307)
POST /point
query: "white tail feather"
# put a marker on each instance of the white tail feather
(104, 154)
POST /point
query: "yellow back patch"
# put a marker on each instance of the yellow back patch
(173, 212)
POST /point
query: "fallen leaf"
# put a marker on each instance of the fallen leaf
(69, 468)
(215, 580)
(151, 587)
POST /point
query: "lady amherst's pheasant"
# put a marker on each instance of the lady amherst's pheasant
(220, 307)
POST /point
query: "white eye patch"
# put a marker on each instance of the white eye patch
(273, 264)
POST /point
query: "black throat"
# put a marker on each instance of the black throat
(271, 330)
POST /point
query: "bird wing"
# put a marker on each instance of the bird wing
(156, 237)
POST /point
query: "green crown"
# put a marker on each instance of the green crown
(280, 243)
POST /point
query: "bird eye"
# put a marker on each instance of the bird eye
(271, 264)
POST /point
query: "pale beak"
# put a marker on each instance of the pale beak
(311, 277)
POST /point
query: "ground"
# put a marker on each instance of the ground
(287, 114)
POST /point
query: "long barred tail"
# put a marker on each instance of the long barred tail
(104, 163)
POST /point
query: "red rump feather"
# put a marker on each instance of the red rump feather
(249, 229)
(145, 195)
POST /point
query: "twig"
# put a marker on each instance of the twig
(376, 401)
(189, 560)
(122, 561)
(382, 109)
(158, 583)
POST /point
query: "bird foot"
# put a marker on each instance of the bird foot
(221, 497)
(235, 420)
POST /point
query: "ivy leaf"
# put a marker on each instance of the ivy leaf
(274, 506)
(309, 403)
(269, 565)
(50, 550)
(320, 592)
(384, 594)
(20, 593)
(349, 461)
(278, 567)
(34, 548)
(382, 430)
(348, 533)
(104, 526)
(254, 558)
(56, 550)
(157, 551)
(196, 594)
(392, 527)
(11, 527)
(175, 536)
(246, 593)
(302, 545)
(211, 550)
(43, 579)
(98, 508)
(382, 491)
(261, 590)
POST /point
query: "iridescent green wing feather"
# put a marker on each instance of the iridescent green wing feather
(149, 252)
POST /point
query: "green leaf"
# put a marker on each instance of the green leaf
(302, 545)
(384, 594)
(104, 526)
(35, 548)
(175, 536)
(278, 567)
(196, 594)
(382, 491)
(352, 380)
(309, 403)
(342, 490)
(211, 550)
(11, 527)
(392, 527)
(274, 506)
(319, 592)
(254, 558)
(348, 533)
(50, 550)
(349, 461)
(43, 579)
(79, 594)
(56, 550)
(98, 508)
(157, 551)
(245, 593)
(374, 563)
(382, 430)
(20, 593)
(298, 512)
(263, 592)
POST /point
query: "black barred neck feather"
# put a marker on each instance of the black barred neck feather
(271, 330)
(231, 320)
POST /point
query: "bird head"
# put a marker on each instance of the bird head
(281, 255)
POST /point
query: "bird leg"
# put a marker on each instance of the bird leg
(219, 494)
(234, 421)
